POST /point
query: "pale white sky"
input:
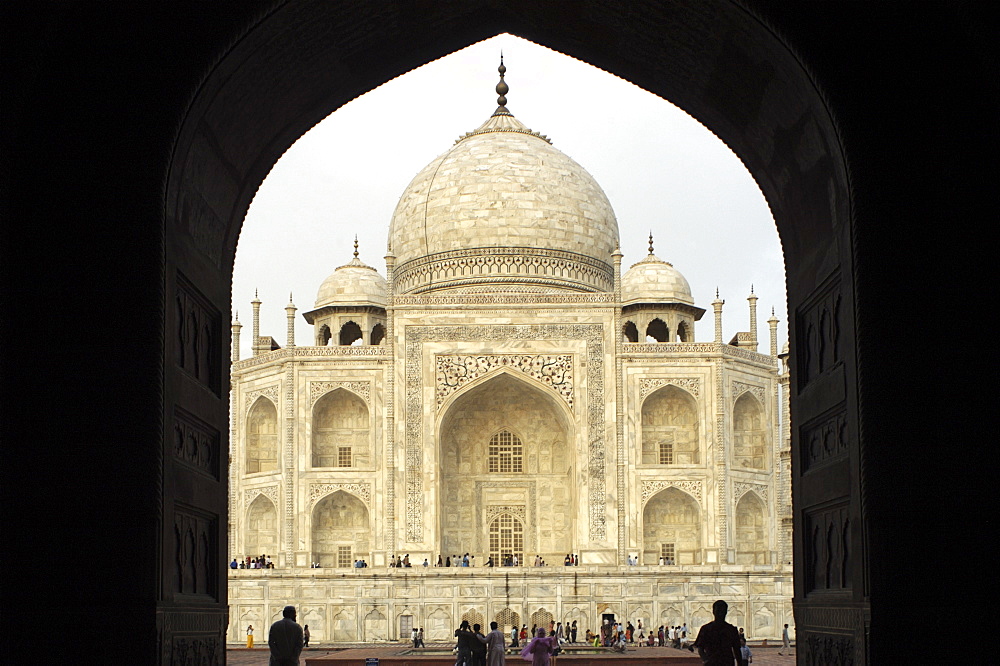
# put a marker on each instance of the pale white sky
(661, 169)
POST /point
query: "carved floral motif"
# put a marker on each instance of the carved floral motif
(318, 389)
(250, 397)
(739, 388)
(318, 491)
(650, 488)
(270, 492)
(649, 384)
(553, 370)
(741, 488)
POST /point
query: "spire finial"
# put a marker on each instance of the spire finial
(355, 246)
(651, 241)
(289, 297)
(502, 89)
(716, 292)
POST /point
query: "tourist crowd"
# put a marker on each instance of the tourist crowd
(260, 562)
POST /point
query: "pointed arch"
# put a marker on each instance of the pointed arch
(261, 534)
(323, 336)
(471, 494)
(262, 437)
(749, 433)
(671, 523)
(751, 530)
(684, 332)
(341, 430)
(506, 538)
(341, 530)
(375, 626)
(378, 334)
(505, 453)
(670, 427)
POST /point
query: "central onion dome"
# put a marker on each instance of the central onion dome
(503, 210)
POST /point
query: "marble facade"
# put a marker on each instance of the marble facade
(510, 394)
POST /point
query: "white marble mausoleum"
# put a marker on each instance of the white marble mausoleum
(508, 387)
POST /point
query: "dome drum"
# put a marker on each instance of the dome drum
(494, 266)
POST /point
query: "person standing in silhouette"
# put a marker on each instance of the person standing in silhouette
(285, 639)
(718, 641)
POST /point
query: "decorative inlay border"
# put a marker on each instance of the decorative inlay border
(318, 389)
(649, 384)
(650, 488)
(739, 388)
(270, 492)
(318, 491)
(416, 336)
(553, 370)
(741, 488)
(250, 397)
(504, 298)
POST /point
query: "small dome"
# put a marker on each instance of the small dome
(653, 280)
(355, 283)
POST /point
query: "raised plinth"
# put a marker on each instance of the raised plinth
(433, 656)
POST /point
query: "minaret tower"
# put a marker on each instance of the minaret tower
(717, 305)
(773, 323)
(290, 314)
(236, 337)
(752, 299)
(255, 342)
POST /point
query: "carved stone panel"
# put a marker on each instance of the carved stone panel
(828, 548)
(818, 334)
(196, 444)
(824, 440)
(196, 552)
(198, 334)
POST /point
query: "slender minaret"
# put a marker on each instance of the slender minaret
(752, 298)
(717, 305)
(616, 257)
(290, 313)
(255, 342)
(236, 337)
(773, 323)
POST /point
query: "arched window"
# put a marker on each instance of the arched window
(541, 618)
(378, 333)
(506, 539)
(340, 430)
(749, 436)
(658, 331)
(507, 618)
(630, 332)
(349, 332)
(670, 428)
(682, 332)
(323, 336)
(262, 437)
(506, 453)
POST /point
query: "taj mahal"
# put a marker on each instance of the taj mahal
(507, 387)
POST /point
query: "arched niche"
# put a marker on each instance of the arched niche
(341, 530)
(378, 334)
(341, 431)
(261, 534)
(323, 336)
(671, 524)
(751, 531)
(471, 494)
(629, 332)
(670, 432)
(262, 437)
(683, 332)
(507, 618)
(749, 433)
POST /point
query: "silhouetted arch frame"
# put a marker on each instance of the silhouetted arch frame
(292, 64)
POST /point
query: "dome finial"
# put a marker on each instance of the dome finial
(355, 246)
(502, 90)
(651, 241)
